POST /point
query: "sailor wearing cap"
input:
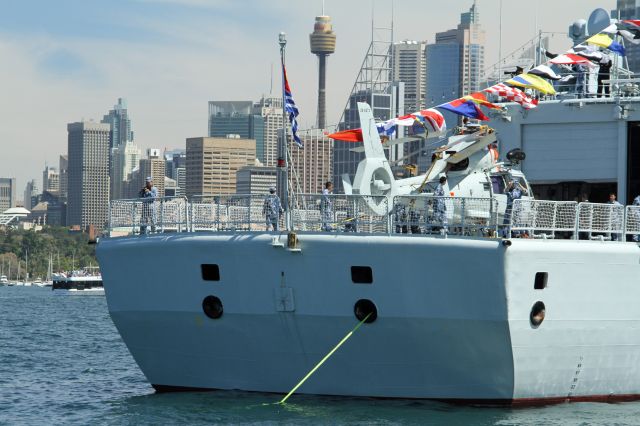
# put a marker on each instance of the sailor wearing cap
(272, 209)
(149, 192)
(514, 191)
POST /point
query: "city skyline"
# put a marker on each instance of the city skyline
(69, 63)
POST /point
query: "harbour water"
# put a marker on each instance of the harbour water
(63, 362)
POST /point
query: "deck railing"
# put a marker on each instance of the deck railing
(411, 214)
(341, 213)
(542, 218)
(425, 214)
(145, 215)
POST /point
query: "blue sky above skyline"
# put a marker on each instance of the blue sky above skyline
(69, 59)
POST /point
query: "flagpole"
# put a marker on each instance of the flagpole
(283, 160)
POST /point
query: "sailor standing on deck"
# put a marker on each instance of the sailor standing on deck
(272, 209)
(440, 207)
(636, 214)
(514, 191)
(326, 207)
(616, 217)
(148, 193)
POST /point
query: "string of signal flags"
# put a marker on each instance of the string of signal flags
(589, 53)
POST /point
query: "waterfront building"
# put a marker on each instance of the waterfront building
(88, 173)
(7, 193)
(212, 164)
(237, 118)
(270, 109)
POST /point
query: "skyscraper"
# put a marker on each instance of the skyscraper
(119, 124)
(50, 180)
(323, 44)
(311, 166)
(124, 158)
(7, 193)
(455, 62)
(237, 118)
(63, 166)
(270, 109)
(88, 173)
(408, 65)
(30, 194)
(123, 153)
(212, 164)
(152, 166)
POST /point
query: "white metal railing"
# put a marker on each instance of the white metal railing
(245, 212)
(426, 214)
(632, 222)
(145, 215)
(410, 214)
(604, 221)
(543, 217)
(341, 213)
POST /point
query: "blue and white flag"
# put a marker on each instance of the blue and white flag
(290, 108)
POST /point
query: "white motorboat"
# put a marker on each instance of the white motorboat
(3, 280)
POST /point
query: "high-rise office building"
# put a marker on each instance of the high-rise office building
(212, 164)
(119, 124)
(50, 180)
(311, 166)
(7, 193)
(270, 109)
(255, 179)
(237, 118)
(455, 62)
(175, 168)
(88, 174)
(153, 166)
(30, 194)
(408, 65)
(62, 168)
(630, 9)
(124, 159)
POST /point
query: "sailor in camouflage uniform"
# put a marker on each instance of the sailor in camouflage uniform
(440, 206)
(272, 209)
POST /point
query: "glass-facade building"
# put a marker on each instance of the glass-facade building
(237, 118)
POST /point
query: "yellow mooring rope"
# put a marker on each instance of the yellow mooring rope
(325, 358)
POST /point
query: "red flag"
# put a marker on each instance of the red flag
(351, 135)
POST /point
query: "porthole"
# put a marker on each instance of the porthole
(361, 275)
(538, 312)
(364, 307)
(212, 307)
(210, 272)
(540, 280)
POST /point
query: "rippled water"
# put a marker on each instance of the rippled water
(63, 362)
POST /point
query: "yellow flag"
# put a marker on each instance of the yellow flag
(533, 82)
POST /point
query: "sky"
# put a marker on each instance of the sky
(68, 60)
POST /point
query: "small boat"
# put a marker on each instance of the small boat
(3, 280)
